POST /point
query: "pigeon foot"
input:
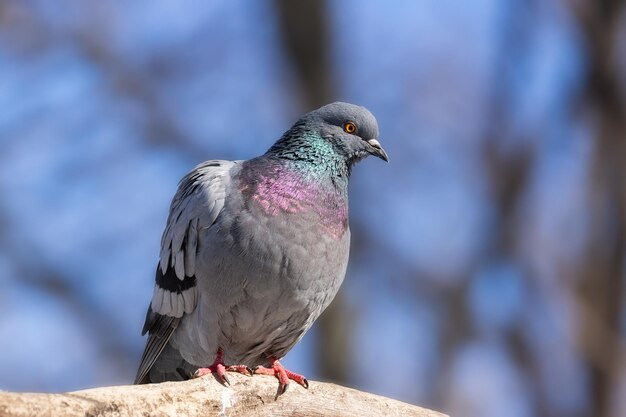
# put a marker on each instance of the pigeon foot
(283, 375)
(219, 369)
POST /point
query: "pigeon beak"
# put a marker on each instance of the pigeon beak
(377, 150)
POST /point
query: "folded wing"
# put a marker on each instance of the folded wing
(198, 201)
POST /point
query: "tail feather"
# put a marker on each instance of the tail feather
(161, 328)
(168, 366)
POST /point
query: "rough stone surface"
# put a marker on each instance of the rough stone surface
(248, 396)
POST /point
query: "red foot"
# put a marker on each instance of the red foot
(282, 374)
(219, 369)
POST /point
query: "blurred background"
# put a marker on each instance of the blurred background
(487, 269)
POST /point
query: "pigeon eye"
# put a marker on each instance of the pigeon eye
(349, 127)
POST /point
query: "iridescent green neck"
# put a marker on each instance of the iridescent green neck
(306, 151)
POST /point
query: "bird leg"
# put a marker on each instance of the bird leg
(219, 369)
(282, 374)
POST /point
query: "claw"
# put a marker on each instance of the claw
(282, 388)
(225, 379)
(219, 369)
(282, 374)
(242, 369)
(200, 372)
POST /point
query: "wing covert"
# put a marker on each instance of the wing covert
(198, 201)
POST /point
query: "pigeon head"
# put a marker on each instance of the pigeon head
(336, 131)
(352, 130)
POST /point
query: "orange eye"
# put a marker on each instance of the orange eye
(349, 127)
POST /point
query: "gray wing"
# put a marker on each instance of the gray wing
(197, 203)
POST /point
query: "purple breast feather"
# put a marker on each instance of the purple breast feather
(284, 191)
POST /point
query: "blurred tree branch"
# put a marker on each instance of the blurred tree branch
(306, 40)
(127, 81)
(601, 280)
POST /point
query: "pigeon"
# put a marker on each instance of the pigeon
(254, 251)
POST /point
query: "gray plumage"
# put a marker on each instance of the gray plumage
(255, 250)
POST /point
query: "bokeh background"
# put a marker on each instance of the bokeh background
(487, 271)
